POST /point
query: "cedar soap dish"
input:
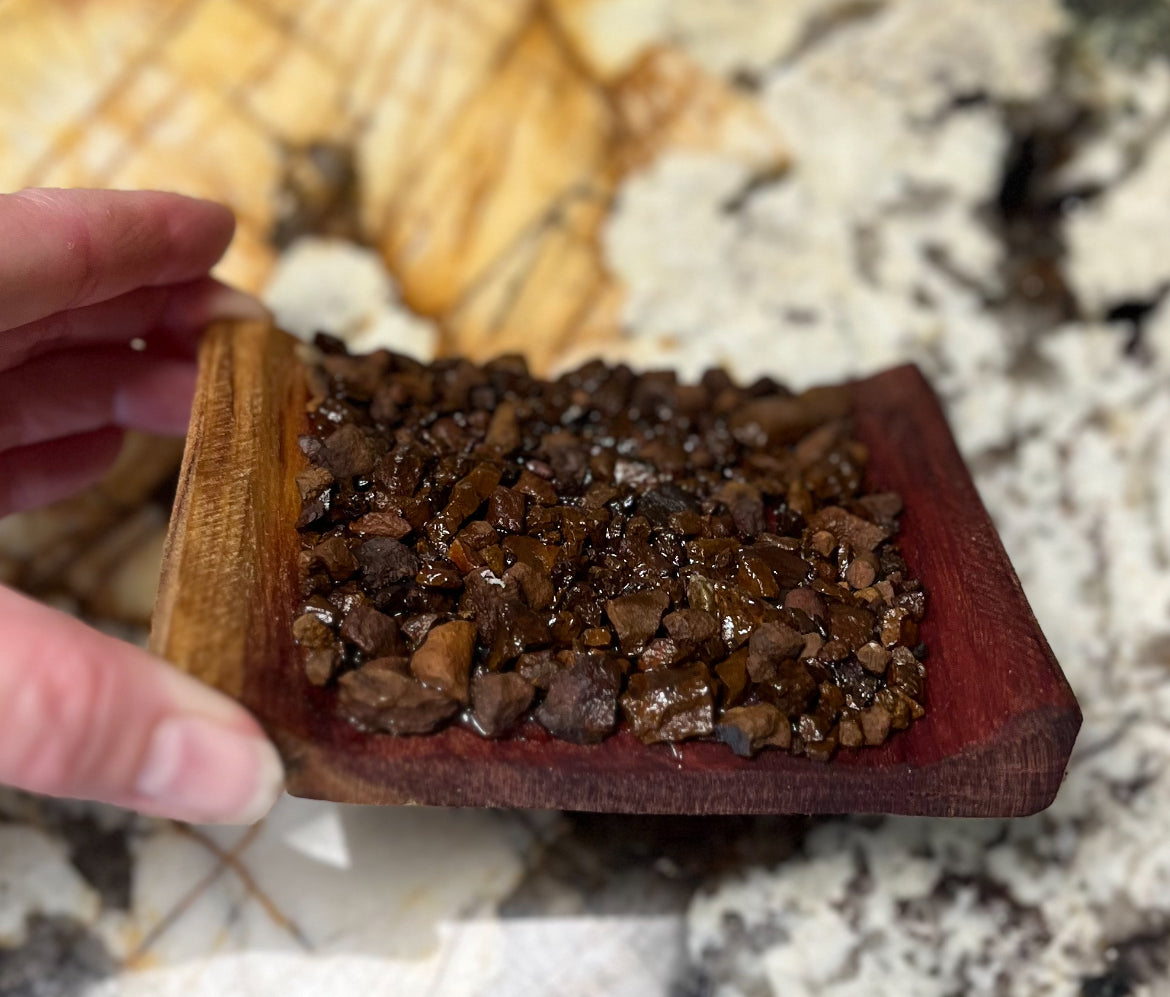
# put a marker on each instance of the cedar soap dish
(1000, 719)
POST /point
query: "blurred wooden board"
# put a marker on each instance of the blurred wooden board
(478, 148)
(1000, 722)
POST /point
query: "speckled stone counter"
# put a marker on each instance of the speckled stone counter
(983, 189)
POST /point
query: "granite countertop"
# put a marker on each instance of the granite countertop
(811, 190)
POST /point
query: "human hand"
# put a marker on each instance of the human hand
(82, 273)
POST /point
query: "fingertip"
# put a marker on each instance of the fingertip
(269, 786)
(207, 227)
(197, 770)
(208, 761)
(90, 717)
(226, 302)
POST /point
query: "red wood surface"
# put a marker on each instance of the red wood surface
(1000, 718)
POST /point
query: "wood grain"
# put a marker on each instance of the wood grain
(1000, 722)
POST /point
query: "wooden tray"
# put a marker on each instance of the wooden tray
(1000, 720)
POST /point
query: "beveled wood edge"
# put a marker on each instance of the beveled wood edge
(1029, 753)
(197, 624)
(169, 604)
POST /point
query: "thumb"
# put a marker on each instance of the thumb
(88, 716)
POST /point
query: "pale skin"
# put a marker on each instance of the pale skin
(82, 273)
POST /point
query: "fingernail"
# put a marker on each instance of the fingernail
(225, 302)
(199, 771)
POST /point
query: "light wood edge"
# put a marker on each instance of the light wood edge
(210, 578)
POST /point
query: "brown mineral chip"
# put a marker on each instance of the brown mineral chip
(733, 677)
(817, 444)
(716, 554)
(538, 667)
(777, 420)
(335, 557)
(756, 578)
(851, 625)
(849, 732)
(516, 629)
(770, 644)
(661, 652)
(310, 631)
(746, 505)
(478, 535)
(859, 533)
(313, 484)
(381, 524)
(596, 637)
(819, 751)
(358, 376)
(348, 452)
(897, 627)
(738, 614)
(375, 634)
(322, 608)
(499, 700)
(415, 628)
(686, 523)
(806, 601)
(691, 627)
(321, 664)
(873, 657)
(833, 650)
(862, 571)
(443, 661)
(747, 729)
(659, 504)
(385, 561)
(823, 542)
(636, 618)
(532, 552)
(897, 705)
(312, 481)
(503, 432)
(506, 510)
(788, 568)
(830, 701)
(906, 673)
(581, 703)
(914, 603)
(401, 470)
(791, 689)
(535, 486)
(378, 697)
(670, 704)
(598, 495)
(439, 576)
(535, 583)
(813, 728)
(875, 724)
